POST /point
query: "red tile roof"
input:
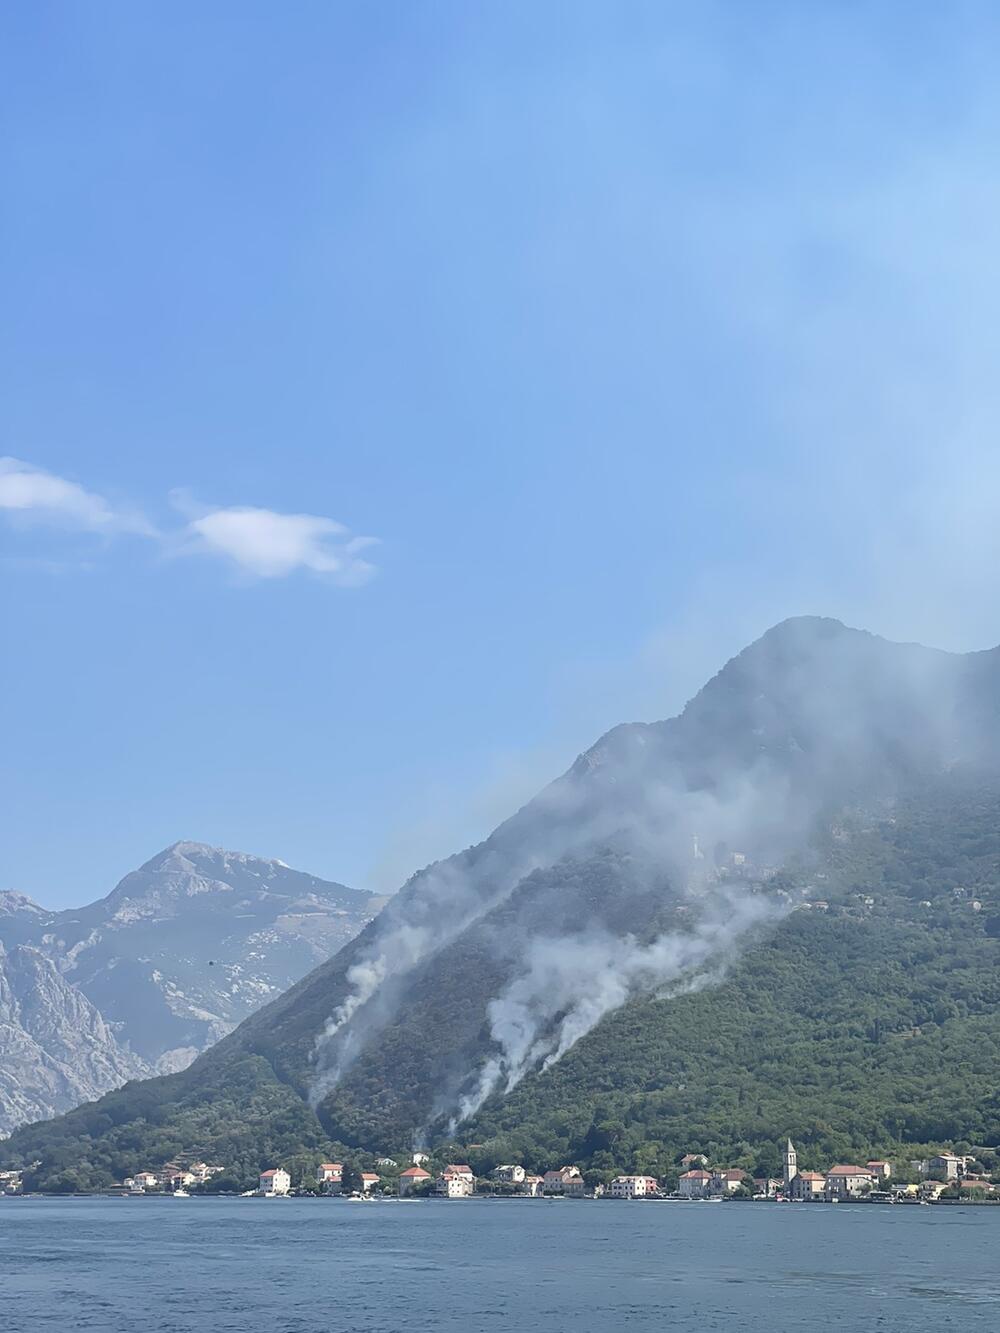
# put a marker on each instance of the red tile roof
(848, 1171)
(415, 1173)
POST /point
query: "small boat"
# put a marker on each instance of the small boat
(181, 1194)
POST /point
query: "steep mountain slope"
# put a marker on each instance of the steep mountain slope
(188, 945)
(644, 872)
(55, 1048)
(867, 1023)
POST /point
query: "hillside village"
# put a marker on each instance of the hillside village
(943, 1177)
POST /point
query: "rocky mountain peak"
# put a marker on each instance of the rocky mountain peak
(199, 858)
(13, 903)
(173, 958)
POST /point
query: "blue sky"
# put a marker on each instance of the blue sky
(401, 394)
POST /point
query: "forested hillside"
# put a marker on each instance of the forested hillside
(858, 1029)
(774, 914)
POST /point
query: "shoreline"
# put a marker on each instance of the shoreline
(507, 1198)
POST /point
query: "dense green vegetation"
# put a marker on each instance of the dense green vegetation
(859, 1029)
(870, 1027)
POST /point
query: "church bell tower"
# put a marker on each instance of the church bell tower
(791, 1163)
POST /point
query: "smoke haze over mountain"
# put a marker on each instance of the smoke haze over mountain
(571, 982)
(699, 812)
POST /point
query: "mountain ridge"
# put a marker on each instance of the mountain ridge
(57, 1049)
(172, 958)
(492, 968)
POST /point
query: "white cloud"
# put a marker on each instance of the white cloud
(261, 543)
(269, 545)
(33, 493)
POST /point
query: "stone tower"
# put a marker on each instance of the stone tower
(791, 1162)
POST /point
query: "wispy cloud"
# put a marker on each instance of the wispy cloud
(265, 544)
(259, 543)
(31, 493)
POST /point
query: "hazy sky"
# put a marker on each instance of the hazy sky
(400, 394)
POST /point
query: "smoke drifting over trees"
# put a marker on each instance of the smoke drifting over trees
(695, 814)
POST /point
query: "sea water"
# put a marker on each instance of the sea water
(480, 1266)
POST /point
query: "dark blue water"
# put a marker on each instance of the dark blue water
(329, 1266)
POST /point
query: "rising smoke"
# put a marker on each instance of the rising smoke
(653, 824)
(432, 910)
(811, 716)
(570, 983)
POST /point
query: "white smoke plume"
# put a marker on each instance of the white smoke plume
(569, 984)
(436, 906)
(394, 954)
(794, 724)
(444, 900)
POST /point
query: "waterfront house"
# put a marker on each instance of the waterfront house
(567, 1180)
(633, 1187)
(726, 1182)
(975, 1183)
(410, 1179)
(330, 1177)
(453, 1186)
(930, 1189)
(946, 1166)
(532, 1186)
(880, 1170)
(460, 1170)
(368, 1181)
(694, 1184)
(509, 1175)
(807, 1187)
(275, 1181)
(767, 1187)
(847, 1182)
(146, 1180)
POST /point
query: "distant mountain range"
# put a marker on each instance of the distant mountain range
(143, 980)
(56, 1050)
(771, 914)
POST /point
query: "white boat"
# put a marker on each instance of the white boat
(181, 1194)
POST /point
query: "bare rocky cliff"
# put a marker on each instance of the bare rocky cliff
(55, 1048)
(140, 982)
